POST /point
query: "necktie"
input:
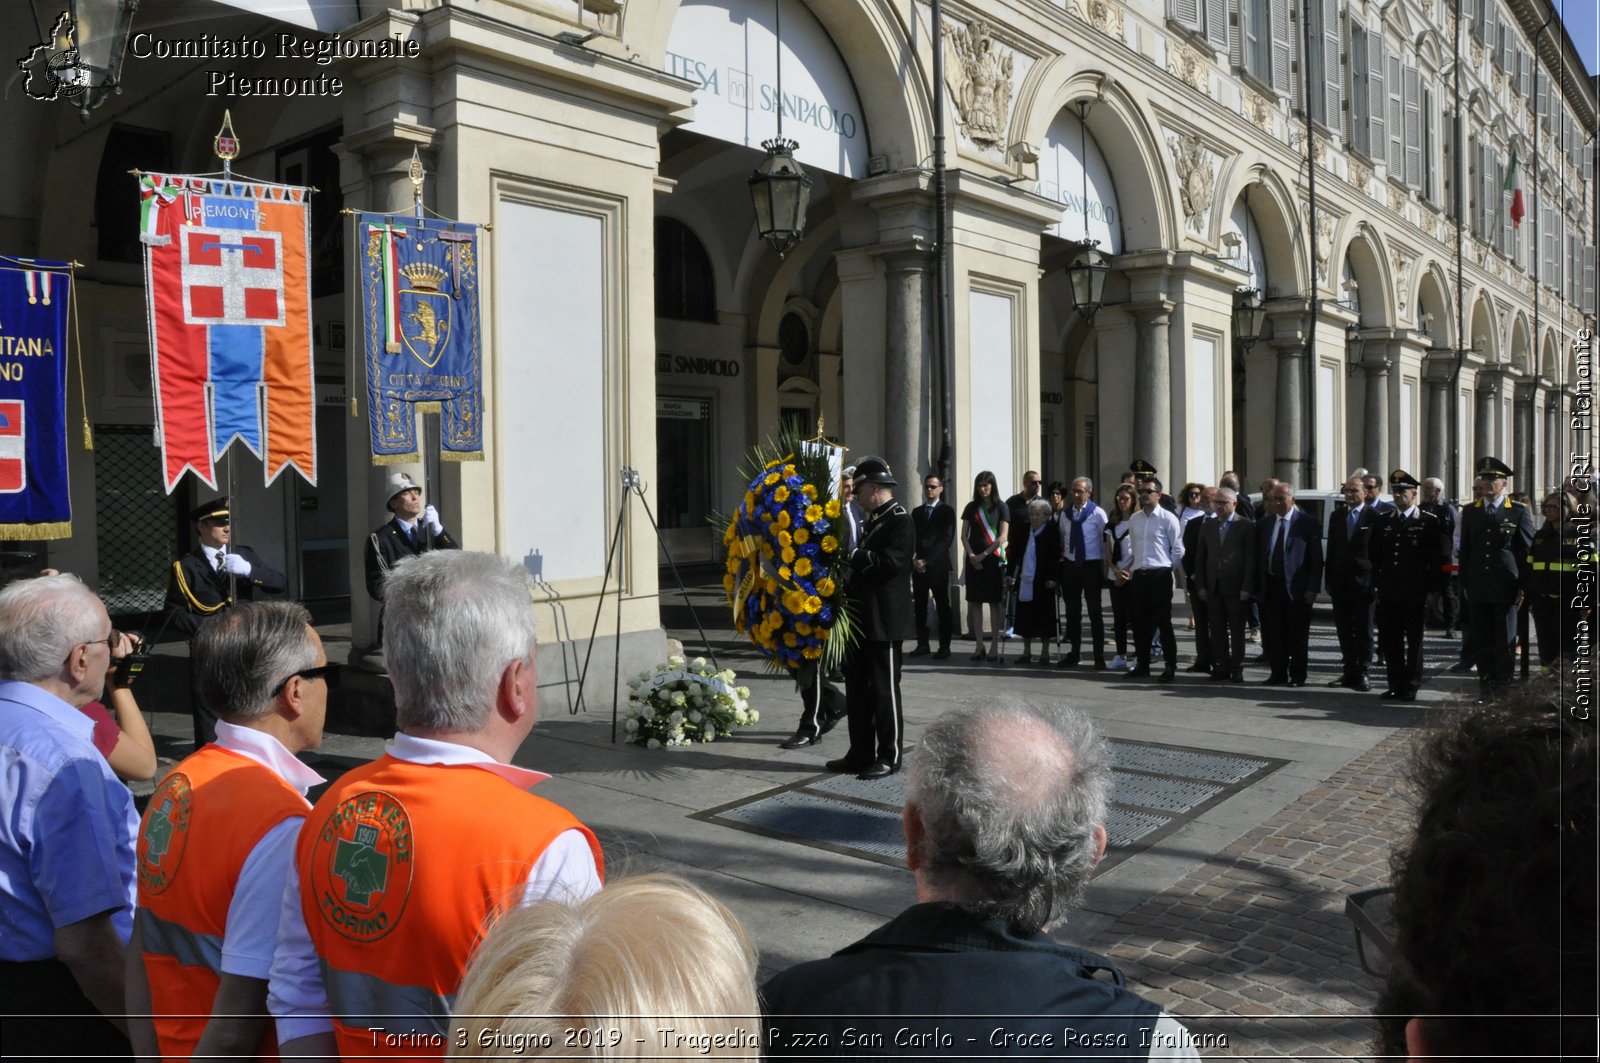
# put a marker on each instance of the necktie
(411, 533)
(1350, 523)
(1078, 545)
(1222, 532)
(1275, 567)
(219, 560)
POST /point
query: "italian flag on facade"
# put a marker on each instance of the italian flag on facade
(1514, 186)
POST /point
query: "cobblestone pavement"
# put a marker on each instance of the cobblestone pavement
(1254, 944)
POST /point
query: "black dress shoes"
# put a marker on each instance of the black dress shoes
(1068, 661)
(943, 654)
(880, 770)
(1140, 672)
(1237, 677)
(1297, 682)
(798, 742)
(920, 651)
(1343, 680)
(1219, 677)
(845, 766)
(1359, 683)
(1275, 681)
(1167, 675)
(1099, 664)
(1198, 666)
(827, 723)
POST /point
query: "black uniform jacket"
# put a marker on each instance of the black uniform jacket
(388, 546)
(938, 970)
(1494, 548)
(1348, 565)
(196, 590)
(880, 575)
(936, 530)
(1406, 560)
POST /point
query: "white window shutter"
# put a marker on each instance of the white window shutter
(1377, 101)
(1588, 278)
(1235, 35)
(1504, 199)
(1413, 130)
(1332, 76)
(1217, 24)
(1185, 13)
(1283, 79)
(1397, 115)
(1360, 106)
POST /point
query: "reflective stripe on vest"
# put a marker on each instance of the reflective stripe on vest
(364, 998)
(1553, 566)
(161, 937)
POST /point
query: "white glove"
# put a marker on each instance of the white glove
(430, 517)
(235, 564)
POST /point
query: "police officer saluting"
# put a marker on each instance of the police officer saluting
(1406, 559)
(1495, 535)
(880, 585)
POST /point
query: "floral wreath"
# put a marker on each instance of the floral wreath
(785, 569)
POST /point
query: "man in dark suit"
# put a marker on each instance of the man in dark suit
(935, 524)
(1349, 573)
(1444, 509)
(1406, 569)
(879, 584)
(1496, 534)
(209, 579)
(1288, 577)
(1198, 606)
(1225, 573)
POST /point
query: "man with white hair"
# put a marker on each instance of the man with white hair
(405, 861)
(218, 838)
(1004, 821)
(67, 835)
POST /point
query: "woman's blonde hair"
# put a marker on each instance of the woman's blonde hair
(649, 966)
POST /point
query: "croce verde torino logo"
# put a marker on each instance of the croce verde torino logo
(165, 834)
(361, 865)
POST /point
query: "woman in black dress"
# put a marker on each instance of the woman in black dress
(1036, 573)
(983, 540)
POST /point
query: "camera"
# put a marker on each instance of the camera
(128, 667)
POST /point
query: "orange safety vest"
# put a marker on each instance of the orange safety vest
(402, 868)
(202, 823)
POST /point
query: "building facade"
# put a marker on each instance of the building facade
(1348, 161)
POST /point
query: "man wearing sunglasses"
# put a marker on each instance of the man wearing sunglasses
(217, 841)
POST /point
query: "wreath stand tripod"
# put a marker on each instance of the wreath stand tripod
(631, 485)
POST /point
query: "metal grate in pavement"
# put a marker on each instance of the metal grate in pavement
(1156, 790)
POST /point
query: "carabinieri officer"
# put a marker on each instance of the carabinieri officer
(1406, 560)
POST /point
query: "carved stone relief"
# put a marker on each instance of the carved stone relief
(980, 82)
(1075, 9)
(1106, 17)
(1259, 110)
(1196, 177)
(1360, 173)
(1398, 198)
(1325, 223)
(1189, 66)
(1402, 279)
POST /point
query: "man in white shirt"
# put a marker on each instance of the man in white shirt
(1083, 526)
(217, 840)
(405, 861)
(1156, 539)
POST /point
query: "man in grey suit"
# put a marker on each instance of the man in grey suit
(1225, 571)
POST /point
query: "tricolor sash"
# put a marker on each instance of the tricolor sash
(229, 298)
(423, 337)
(34, 500)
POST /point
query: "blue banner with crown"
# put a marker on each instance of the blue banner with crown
(422, 337)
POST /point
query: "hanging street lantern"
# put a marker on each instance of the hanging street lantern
(1249, 314)
(1354, 344)
(780, 189)
(1087, 272)
(83, 58)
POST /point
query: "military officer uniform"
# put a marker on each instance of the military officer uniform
(1406, 569)
(1495, 536)
(880, 586)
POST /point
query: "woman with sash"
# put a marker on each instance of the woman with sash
(984, 527)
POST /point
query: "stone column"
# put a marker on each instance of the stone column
(1487, 394)
(1375, 441)
(1152, 401)
(1522, 436)
(1289, 437)
(1436, 450)
(908, 349)
(1554, 459)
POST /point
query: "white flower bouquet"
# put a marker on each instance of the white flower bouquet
(685, 701)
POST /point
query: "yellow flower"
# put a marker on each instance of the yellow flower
(802, 567)
(774, 620)
(802, 535)
(831, 510)
(766, 551)
(783, 518)
(803, 628)
(781, 494)
(788, 555)
(771, 479)
(829, 544)
(813, 513)
(784, 573)
(794, 601)
(790, 640)
(730, 533)
(811, 653)
(788, 470)
(771, 586)
(749, 500)
(774, 463)
(825, 587)
(809, 490)
(813, 604)
(727, 583)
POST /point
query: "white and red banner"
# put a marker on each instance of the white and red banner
(229, 296)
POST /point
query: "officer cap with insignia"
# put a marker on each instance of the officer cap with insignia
(1493, 468)
(216, 509)
(1399, 478)
(874, 469)
(399, 484)
(1140, 467)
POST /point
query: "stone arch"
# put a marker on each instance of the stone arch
(1549, 360)
(1127, 139)
(1521, 342)
(1481, 327)
(886, 58)
(1433, 297)
(1370, 265)
(1271, 204)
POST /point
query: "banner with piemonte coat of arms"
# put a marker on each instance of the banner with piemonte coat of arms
(34, 499)
(229, 299)
(422, 336)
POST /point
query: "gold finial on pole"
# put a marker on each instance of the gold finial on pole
(226, 144)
